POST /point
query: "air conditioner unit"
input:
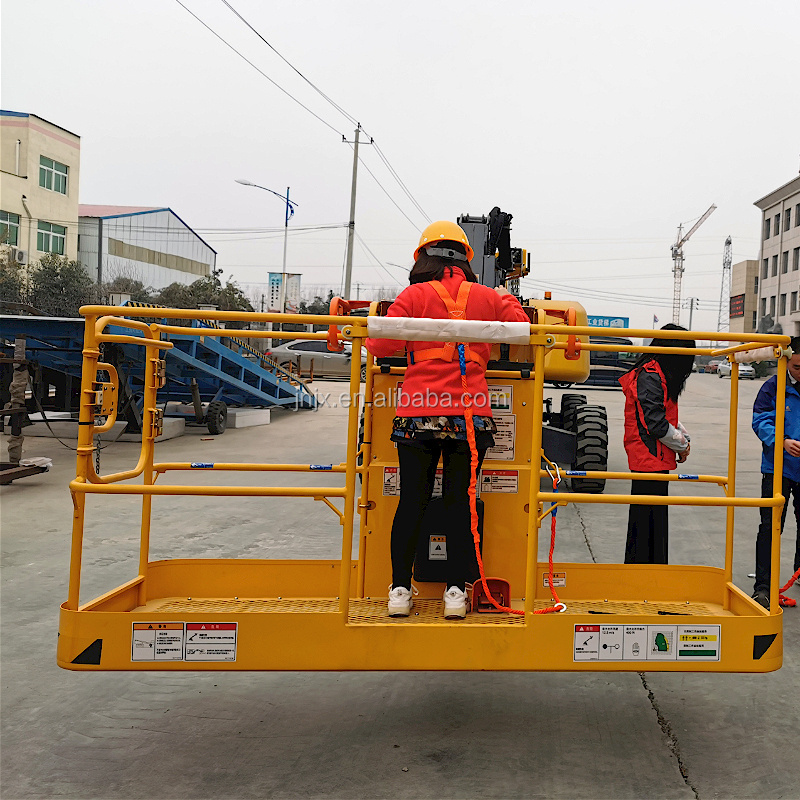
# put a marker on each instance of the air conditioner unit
(20, 256)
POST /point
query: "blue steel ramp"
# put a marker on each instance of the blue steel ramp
(226, 368)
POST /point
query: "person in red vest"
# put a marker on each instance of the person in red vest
(430, 412)
(654, 441)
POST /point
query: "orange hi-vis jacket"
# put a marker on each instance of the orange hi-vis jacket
(432, 383)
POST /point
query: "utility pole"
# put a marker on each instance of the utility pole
(723, 319)
(351, 228)
(690, 303)
(289, 208)
(677, 258)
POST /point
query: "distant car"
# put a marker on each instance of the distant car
(302, 352)
(745, 371)
(713, 366)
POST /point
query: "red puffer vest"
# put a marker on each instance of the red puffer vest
(645, 452)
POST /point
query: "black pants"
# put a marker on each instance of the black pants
(648, 526)
(418, 464)
(764, 538)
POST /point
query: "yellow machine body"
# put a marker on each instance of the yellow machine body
(246, 614)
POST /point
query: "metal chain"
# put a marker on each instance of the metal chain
(97, 453)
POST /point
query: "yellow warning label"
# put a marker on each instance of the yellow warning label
(698, 637)
(158, 626)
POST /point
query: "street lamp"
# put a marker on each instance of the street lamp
(290, 206)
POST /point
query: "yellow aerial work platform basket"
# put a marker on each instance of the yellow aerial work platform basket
(249, 614)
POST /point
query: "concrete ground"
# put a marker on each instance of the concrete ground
(371, 735)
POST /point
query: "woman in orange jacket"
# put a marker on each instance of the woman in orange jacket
(430, 419)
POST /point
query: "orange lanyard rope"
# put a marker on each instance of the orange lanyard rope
(473, 511)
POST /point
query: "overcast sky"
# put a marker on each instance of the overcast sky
(599, 126)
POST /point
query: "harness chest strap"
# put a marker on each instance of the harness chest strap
(455, 310)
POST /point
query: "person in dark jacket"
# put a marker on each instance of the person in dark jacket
(764, 428)
(654, 441)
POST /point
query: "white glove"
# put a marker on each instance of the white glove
(676, 439)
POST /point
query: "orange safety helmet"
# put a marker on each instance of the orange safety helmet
(444, 231)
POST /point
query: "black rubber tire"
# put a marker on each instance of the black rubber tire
(719, 375)
(591, 452)
(569, 402)
(363, 373)
(216, 417)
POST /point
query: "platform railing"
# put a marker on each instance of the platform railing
(355, 329)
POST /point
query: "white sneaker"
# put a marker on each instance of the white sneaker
(456, 603)
(401, 601)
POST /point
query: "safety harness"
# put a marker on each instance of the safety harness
(456, 309)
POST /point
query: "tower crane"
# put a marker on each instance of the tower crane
(677, 258)
(723, 320)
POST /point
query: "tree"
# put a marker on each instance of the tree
(135, 288)
(176, 295)
(12, 281)
(60, 287)
(209, 290)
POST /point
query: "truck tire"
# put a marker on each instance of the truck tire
(591, 451)
(569, 402)
(216, 417)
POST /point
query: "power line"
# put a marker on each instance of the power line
(319, 91)
(380, 264)
(261, 72)
(385, 192)
(392, 171)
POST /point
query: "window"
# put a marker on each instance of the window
(755, 320)
(787, 219)
(777, 225)
(9, 228)
(755, 286)
(766, 226)
(774, 265)
(51, 238)
(314, 347)
(772, 306)
(785, 262)
(796, 259)
(782, 306)
(797, 215)
(53, 175)
(794, 302)
(763, 306)
(765, 269)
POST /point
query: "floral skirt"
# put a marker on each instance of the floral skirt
(410, 430)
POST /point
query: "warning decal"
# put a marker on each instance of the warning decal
(437, 548)
(559, 579)
(503, 449)
(157, 641)
(391, 482)
(647, 643)
(184, 641)
(500, 480)
(501, 397)
(211, 641)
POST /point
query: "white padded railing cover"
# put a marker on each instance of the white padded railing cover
(412, 329)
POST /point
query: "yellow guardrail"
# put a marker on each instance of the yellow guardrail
(88, 481)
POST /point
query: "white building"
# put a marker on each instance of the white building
(151, 245)
(40, 165)
(779, 284)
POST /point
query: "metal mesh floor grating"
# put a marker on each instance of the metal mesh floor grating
(426, 611)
